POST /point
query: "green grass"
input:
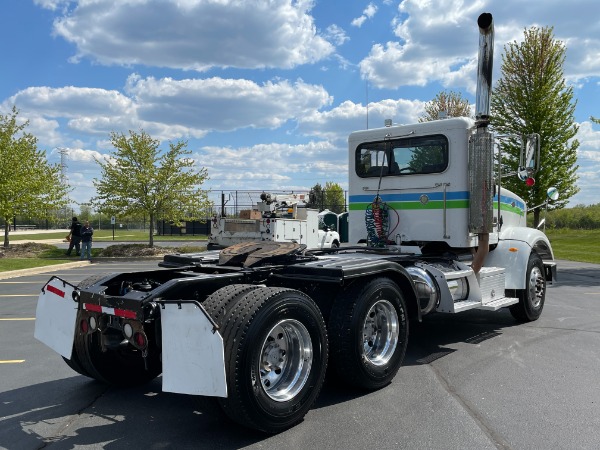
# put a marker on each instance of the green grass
(576, 245)
(7, 264)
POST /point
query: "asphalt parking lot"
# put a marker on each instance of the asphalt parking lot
(475, 380)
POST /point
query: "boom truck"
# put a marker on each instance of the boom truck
(277, 218)
(252, 329)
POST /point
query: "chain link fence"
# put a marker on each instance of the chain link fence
(226, 203)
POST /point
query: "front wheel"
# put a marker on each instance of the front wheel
(532, 298)
(275, 355)
(368, 332)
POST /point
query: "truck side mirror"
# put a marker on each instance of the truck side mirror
(529, 159)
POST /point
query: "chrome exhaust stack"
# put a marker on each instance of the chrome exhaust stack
(481, 146)
(485, 66)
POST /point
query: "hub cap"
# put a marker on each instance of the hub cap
(285, 360)
(380, 333)
(536, 287)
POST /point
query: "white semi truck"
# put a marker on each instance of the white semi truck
(253, 328)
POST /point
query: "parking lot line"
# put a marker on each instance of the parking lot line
(19, 295)
(17, 318)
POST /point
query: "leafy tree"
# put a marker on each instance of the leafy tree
(532, 97)
(139, 179)
(334, 197)
(316, 198)
(29, 186)
(85, 211)
(450, 102)
(595, 120)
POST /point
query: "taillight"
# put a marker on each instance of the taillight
(139, 339)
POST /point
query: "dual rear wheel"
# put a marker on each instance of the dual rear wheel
(276, 347)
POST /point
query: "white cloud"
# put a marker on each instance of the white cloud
(195, 34)
(166, 108)
(437, 41)
(337, 123)
(336, 35)
(368, 13)
(224, 104)
(276, 166)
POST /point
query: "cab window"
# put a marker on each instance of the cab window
(422, 155)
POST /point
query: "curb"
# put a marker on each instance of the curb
(43, 269)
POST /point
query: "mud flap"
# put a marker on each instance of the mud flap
(193, 357)
(56, 316)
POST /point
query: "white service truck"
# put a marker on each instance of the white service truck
(253, 328)
(277, 218)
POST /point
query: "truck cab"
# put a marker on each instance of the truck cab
(413, 186)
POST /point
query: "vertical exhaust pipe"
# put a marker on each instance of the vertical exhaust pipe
(481, 146)
(485, 66)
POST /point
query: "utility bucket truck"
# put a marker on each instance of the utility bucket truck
(254, 327)
(278, 218)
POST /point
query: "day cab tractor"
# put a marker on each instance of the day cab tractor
(253, 328)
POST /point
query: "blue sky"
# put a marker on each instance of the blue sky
(265, 92)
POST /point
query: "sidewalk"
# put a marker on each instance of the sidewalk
(37, 231)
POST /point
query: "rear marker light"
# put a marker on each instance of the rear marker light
(139, 340)
(84, 326)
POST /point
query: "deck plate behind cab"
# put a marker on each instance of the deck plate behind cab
(251, 254)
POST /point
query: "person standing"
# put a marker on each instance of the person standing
(74, 236)
(86, 240)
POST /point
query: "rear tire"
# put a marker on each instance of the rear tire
(532, 298)
(368, 332)
(275, 356)
(218, 305)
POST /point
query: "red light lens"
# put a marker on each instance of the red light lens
(84, 326)
(140, 340)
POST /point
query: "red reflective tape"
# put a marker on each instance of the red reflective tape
(125, 313)
(95, 308)
(55, 291)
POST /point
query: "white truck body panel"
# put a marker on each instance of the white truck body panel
(303, 231)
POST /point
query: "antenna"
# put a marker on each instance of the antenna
(367, 95)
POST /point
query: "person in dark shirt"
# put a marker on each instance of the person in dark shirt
(74, 237)
(86, 240)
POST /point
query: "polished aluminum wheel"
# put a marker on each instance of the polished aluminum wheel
(536, 286)
(380, 333)
(286, 360)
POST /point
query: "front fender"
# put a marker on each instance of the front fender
(513, 250)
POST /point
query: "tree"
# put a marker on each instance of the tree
(316, 197)
(532, 97)
(29, 186)
(334, 197)
(452, 103)
(139, 179)
(595, 120)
